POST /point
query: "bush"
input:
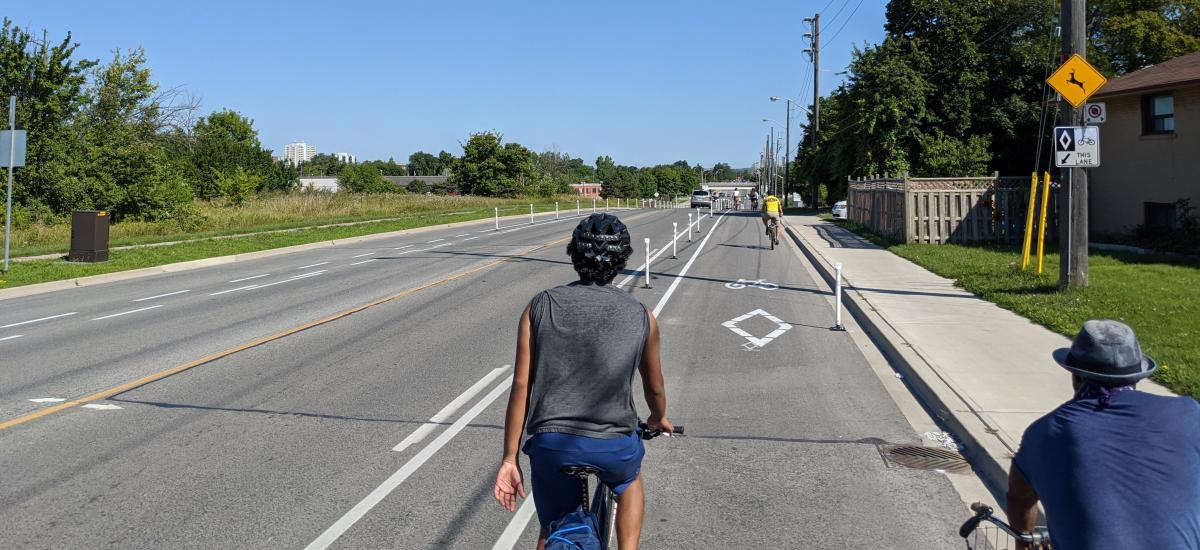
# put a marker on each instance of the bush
(363, 178)
(237, 186)
(418, 186)
(1182, 239)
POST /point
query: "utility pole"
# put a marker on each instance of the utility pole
(1073, 212)
(787, 159)
(815, 129)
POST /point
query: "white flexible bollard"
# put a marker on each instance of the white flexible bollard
(576, 207)
(647, 241)
(606, 205)
(497, 218)
(619, 203)
(556, 210)
(837, 297)
(674, 237)
(531, 214)
(689, 227)
(698, 222)
(593, 206)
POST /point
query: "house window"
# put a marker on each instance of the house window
(1160, 214)
(1158, 114)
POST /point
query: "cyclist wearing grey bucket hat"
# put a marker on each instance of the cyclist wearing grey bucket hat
(1114, 468)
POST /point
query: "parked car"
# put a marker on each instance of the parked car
(839, 210)
(701, 199)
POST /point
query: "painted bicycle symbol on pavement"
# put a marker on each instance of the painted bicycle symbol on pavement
(749, 283)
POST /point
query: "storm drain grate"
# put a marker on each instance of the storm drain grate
(924, 458)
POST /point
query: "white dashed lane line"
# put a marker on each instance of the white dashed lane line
(161, 295)
(435, 241)
(402, 247)
(361, 255)
(249, 278)
(232, 290)
(460, 236)
(311, 265)
(13, 337)
(364, 261)
(126, 312)
(39, 320)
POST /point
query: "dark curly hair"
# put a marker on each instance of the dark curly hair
(599, 248)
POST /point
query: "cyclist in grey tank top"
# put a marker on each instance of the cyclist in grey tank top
(578, 347)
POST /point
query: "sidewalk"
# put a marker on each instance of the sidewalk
(985, 372)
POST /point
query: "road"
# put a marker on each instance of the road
(382, 428)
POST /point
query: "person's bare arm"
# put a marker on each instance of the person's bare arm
(518, 396)
(1022, 504)
(652, 380)
(509, 480)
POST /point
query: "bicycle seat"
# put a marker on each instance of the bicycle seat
(581, 471)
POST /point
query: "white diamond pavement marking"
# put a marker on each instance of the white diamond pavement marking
(732, 325)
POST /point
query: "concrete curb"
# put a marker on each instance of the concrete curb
(982, 444)
(42, 288)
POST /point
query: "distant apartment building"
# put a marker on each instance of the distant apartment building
(346, 158)
(298, 152)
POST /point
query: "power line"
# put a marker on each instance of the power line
(846, 22)
(833, 19)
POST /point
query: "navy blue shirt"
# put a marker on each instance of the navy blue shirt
(1121, 476)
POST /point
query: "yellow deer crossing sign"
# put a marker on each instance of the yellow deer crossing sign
(1076, 80)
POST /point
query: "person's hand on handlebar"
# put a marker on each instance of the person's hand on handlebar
(657, 424)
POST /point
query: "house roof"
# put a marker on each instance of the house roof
(1184, 69)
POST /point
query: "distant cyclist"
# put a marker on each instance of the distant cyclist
(578, 346)
(1115, 468)
(772, 209)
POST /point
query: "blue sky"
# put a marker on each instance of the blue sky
(646, 82)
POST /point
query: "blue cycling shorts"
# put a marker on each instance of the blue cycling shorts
(554, 493)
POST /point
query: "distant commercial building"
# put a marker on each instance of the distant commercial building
(589, 190)
(299, 152)
(346, 158)
(319, 183)
(1149, 155)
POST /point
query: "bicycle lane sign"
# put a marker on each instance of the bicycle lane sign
(1077, 146)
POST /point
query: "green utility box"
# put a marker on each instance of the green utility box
(89, 236)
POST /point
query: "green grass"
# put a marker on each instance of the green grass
(40, 271)
(1156, 295)
(276, 212)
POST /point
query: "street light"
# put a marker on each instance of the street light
(787, 160)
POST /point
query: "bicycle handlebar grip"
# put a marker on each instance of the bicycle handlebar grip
(980, 507)
(678, 429)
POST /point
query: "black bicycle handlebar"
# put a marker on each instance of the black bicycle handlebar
(983, 512)
(647, 433)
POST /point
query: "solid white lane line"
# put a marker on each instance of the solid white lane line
(675, 284)
(434, 241)
(37, 320)
(365, 505)
(508, 539)
(13, 337)
(232, 290)
(249, 278)
(361, 255)
(126, 312)
(653, 257)
(364, 261)
(427, 428)
(162, 295)
(311, 265)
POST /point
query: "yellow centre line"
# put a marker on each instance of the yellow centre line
(105, 394)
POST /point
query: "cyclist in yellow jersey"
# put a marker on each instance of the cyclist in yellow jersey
(772, 209)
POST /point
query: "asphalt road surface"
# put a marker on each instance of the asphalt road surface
(382, 428)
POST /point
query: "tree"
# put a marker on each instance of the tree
(323, 165)
(721, 172)
(224, 142)
(490, 168)
(423, 164)
(1127, 35)
(51, 87)
(359, 178)
(237, 186)
(389, 168)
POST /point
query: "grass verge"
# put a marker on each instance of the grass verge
(1156, 295)
(41, 271)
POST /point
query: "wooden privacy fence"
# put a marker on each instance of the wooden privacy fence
(941, 210)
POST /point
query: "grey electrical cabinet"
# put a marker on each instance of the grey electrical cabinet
(89, 236)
